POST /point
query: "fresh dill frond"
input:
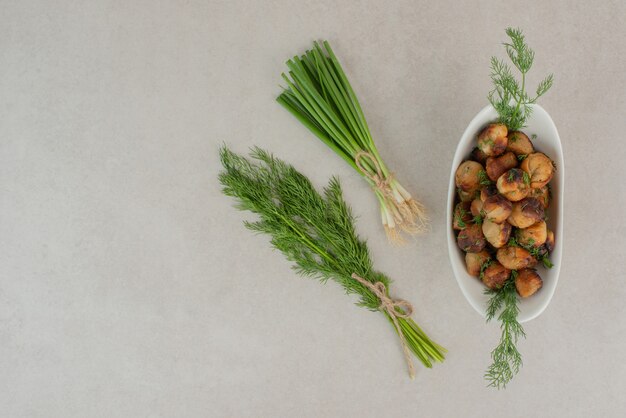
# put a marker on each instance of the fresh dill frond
(315, 231)
(526, 178)
(522, 157)
(506, 359)
(478, 220)
(509, 96)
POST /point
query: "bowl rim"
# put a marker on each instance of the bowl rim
(488, 115)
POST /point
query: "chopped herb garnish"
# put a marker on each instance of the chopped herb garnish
(483, 179)
(546, 262)
(484, 267)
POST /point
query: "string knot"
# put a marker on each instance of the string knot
(391, 306)
(380, 182)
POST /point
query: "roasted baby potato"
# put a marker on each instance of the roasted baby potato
(497, 208)
(527, 282)
(478, 155)
(513, 185)
(543, 194)
(526, 212)
(471, 239)
(474, 262)
(476, 207)
(496, 166)
(535, 235)
(467, 196)
(497, 234)
(519, 143)
(540, 169)
(515, 258)
(492, 141)
(549, 244)
(488, 191)
(462, 215)
(495, 275)
(467, 176)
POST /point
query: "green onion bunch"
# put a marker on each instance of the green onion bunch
(319, 95)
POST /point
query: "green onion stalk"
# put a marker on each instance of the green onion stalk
(320, 96)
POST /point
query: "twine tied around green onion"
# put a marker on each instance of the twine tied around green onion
(382, 183)
(398, 209)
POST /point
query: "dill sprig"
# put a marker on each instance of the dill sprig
(314, 231)
(506, 359)
(509, 97)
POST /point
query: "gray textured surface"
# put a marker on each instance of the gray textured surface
(128, 286)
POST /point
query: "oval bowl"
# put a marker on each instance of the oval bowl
(548, 142)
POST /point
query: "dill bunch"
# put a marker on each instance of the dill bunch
(320, 96)
(314, 231)
(506, 359)
(509, 96)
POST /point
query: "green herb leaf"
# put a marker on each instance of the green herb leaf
(506, 359)
(509, 97)
(483, 179)
(546, 262)
(484, 267)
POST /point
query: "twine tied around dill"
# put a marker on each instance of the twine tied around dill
(389, 305)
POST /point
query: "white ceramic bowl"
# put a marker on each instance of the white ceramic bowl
(548, 142)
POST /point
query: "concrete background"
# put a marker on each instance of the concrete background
(129, 287)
